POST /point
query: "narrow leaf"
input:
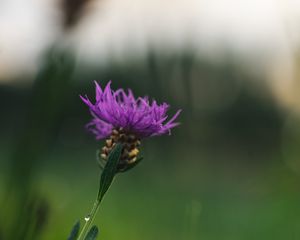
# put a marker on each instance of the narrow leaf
(110, 170)
(74, 231)
(92, 234)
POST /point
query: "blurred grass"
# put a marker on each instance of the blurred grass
(221, 175)
(132, 212)
(164, 201)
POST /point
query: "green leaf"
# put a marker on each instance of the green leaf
(110, 170)
(132, 165)
(92, 234)
(74, 231)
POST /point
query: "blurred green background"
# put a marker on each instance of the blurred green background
(229, 171)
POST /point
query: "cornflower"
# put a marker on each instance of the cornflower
(120, 117)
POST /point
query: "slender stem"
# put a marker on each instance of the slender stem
(106, 179)
(89, 219)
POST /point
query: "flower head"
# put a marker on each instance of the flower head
(122, 117)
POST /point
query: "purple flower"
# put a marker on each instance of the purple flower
(121, 118)
(121, 110)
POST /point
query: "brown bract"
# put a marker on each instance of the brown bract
(130, 147)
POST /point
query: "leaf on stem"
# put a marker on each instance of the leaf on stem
(93, 233)
(110, 170)
(74, 231)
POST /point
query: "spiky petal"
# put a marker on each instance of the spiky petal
(121, 110)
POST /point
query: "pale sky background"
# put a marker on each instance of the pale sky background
(265, 31)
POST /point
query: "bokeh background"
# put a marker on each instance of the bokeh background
(231, 170)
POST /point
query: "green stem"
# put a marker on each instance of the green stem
(106, 180)
(89, 219)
